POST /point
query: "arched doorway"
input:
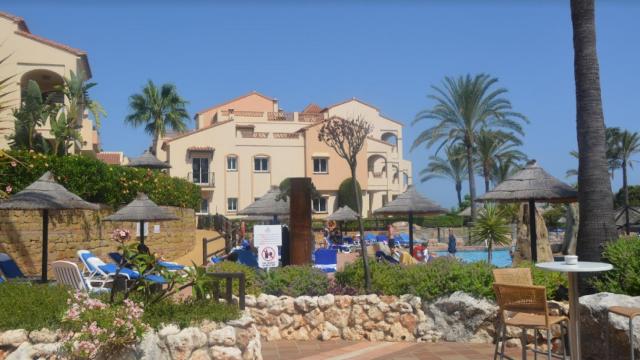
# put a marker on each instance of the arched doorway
(48, 81)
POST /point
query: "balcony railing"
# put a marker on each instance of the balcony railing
(281, 135)
(280, 116)
(254, 134)
(202, 179)
(311, 117)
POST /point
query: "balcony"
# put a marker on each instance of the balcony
(254, 134)
(310, 117)
(202, 179)
(280, 116)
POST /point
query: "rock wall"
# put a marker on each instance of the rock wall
(70, 231)
(235, 340)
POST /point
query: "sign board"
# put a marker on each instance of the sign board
(267, 235)
(268, 256)
(146, 229)
(156, 229)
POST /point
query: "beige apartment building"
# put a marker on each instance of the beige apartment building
(242, 147)
(32, 57)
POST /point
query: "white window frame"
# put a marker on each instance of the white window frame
(262, 158)
(326, 165)
(319, 208)
(232, 200)
(235, 163)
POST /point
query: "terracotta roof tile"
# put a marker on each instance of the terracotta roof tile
(22, 25)
(196, 131)
(312, 109)
(112, 158)
(52, 43)
(200, 148)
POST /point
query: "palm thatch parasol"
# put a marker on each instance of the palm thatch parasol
(140, 210)
(634, 218)
(148, 161)
(531, 184)
(46, 194)
(268, 205)
(343, 214)
(411, 202)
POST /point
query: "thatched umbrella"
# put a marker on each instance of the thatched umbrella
(148, 161)
(46, 194)
(343, 214)
(411, 202)
(270, 204)
(634, 218)
(531, 184)
(141, 210)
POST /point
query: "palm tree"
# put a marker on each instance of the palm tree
(452, 166)
(33, 113)
(628, 146)
(492, 228)
(76, 91)
(491, 146)
(612, 135)
(504, 167)
(463, 107)
(158, 109)
(594, 185)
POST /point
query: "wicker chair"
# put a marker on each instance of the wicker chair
(525, 306)
(513, 276)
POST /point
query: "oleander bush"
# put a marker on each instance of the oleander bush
(294, 281)
(624, 255)
(28, 306)
(97, 182)
(440, 277)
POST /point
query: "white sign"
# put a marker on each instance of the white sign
(146, 229)
(156, 229)
(267, 235)
(268, 256)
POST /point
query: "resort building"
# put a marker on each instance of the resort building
(32, 57)
(242, 147)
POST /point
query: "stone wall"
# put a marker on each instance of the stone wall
(234, 340)
(70, 231)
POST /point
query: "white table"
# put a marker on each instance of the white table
(574, 310)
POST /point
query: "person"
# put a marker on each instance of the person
(452, 244)
(337, 237)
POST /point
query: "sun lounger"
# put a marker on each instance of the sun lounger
(68, 274)
(98, 270)
(169, 265)
(9, 268)
(326, 260)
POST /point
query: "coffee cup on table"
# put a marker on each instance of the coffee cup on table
(571, 259)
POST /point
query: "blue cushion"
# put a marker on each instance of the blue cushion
(10, 269)
(170, 266)
(110, 269)
(156, 279)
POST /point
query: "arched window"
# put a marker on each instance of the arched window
(390, 138)
(48, 81)
(377, 165)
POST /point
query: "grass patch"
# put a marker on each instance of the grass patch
(188, 313)
(31, 306)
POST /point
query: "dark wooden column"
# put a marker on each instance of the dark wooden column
(301, 236)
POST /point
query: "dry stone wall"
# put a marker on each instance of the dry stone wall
(70, 231)
(235, 340)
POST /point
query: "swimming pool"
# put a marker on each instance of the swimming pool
(501, 257)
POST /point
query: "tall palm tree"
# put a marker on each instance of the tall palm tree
(612, 137)
(492, 146)
(504, 167)
(594, 185)
(463, 107)
(628, 146)
(158, 109)
(452, 166)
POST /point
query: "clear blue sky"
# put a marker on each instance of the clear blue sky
(387, 54)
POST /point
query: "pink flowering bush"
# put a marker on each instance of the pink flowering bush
(93, 327)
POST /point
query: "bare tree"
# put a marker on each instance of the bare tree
(347, 137)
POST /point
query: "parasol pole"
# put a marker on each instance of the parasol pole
(142, 232)
(411, 232)
(45, 244)
(532, 230)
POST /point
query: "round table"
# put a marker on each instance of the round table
(574, 311)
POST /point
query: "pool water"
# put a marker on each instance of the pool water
(500, 258)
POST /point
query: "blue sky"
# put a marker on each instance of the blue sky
(386, 53)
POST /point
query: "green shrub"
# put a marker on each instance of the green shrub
(188, 313)
(95, 181)
(440, 277)
(294, 281)
(346, 195)
(31, 306)
(624, 255)
(252, 284)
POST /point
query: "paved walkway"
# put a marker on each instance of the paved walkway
(364, 350)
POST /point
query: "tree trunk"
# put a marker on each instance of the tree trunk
(594, 185)
(489, 251)
(459, 193)
(625, 189)
(472, 181)
(485, 173)
(363, 246)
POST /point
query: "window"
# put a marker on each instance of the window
(320, 205)
(261, 164)
(320, 165)
(200, 167)
(232, 204)
(232, 163)
(204, 206)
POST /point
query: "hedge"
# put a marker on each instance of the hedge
(624, 255)
(97, 182)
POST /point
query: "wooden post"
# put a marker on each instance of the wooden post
(532, 230)
(45, 244)
(301, 236)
